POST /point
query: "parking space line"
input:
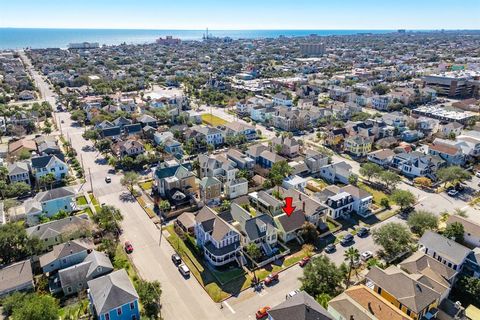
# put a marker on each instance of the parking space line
(228, 306)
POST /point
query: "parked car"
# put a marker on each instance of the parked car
(304, 262)
(108, 179)
(262, 313)
(176, 259)
(477, 174)
(347, 239)
(271, 278)
(366, 255)
(330, 248)
(363, 232)
(292, 293)
(184, 270)
(128, 247)
(452, 193)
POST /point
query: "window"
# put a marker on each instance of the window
(408, 312)
(132, 305)
(134, 317)
(119, 311)
(107, 316)
(69, 289)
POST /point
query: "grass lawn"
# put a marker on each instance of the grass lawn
(321, 183)
(93, 199)
(212, 120)
(81, 201)
(378, 195)
(382, 216)
(205, 276)
(331, 226)
(147, 185)
(89, 212)
(120, 261)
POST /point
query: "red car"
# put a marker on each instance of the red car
(128, 247)
(304, 262)
(271, 278)
(262, 313)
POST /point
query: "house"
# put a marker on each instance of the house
(471, 235)
(446, 251)
(315, 161)
(416, 164)
(186, 221)
(315, 212)
(121, 122)
(289, 227)
(113, 297)
(336, 137)
(339, 204)
(243, 161)
(236, 188)
(74, 279)
(19, 172)
(240, 129)
(383, 157)
(267, 203)
(362, 303)
(49, 147)
(288, 147)
(212, 135)
(15, 277)
(411, 135)
(281, 99)
(382, 102)
(132, 129)
(65, 255)
(301, 306)
(217, 166)
(128, 148)
(267, 159)
(161, 137)
(451, 153)
(259, 230)
(294, 182)
(210, 190)
(334, 172)
(49, 164)
(430, 272)
(409, 295)
(358, 145)
(219, 241)
(16, 148)
(57, 231)
(174, 177)
(147, 120)
(113, 133)
(362, 200)
(173, 147)
(49, 203)
(450, 129)
(254, 152)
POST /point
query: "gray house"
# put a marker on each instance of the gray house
(74, 279)
(65, 255)
(16, 277)
(19, 172)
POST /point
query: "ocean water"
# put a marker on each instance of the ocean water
(18, 38)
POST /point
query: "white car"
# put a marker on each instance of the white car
(366, 255)
(184, 270)
(292, 293)
(477, 174)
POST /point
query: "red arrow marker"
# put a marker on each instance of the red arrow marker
(288, 209)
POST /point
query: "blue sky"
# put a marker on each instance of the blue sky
(244, 14)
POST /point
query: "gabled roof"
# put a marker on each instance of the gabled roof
(213, 224)
(65, 249)
(444, 247)
(56, 193)
(112, 291)
(57, 227)
(43, 161)
(110, 132)
(293, 222)
(18, 168)
(300, 307)
(15, 275)
(133, 128)
(85, 269)
(469, 226)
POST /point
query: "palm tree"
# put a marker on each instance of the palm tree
(351, 256)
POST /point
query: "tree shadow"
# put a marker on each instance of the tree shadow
(126, 197)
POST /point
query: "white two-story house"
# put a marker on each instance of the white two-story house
(43, 165)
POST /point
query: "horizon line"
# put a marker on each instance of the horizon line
(260, 29)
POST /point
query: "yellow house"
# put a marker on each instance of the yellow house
(358, 146)
(412, 297)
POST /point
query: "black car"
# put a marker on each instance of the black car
(176, 259)
(363, 232)
(347, 239)
(330, 248)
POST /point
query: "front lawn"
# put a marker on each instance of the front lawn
(212, 120)
(81, 201)
(147, 185)
(378, 195)
(93, 199)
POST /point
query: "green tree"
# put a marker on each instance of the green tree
(36, 307)
(420, 221)
(309, 232)
(370, 170)
(390, 179)
(225, 205)
(15, 243)
(92, 135)
(130, 179)
(384, 202)
(321, 276)
(351, 256)
(454, 231)
(467, 290)
(394, 238)
(149, 294)
(253, 251)
(279, 171)
(79, 116)
(47, 180)
(17, 189)
(403, 198)
(24, 155)
(353, 179)
(164, 205)
(104, 145)
(452, 174)
(108, 218)
(323, 299)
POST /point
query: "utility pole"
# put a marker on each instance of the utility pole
(91, 185)
(81, 159)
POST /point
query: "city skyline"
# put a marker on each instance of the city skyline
(249, 15)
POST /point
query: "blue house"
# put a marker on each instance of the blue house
(268, 158)
(411, 135)
(113, 297)
(172, 146)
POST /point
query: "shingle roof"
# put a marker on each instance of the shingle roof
(84, 270)
(17, 168)
(112, 291)
(15, 275)
(43, 161)
(65, 249)
(444, 247)
(299, 307)
(293, 222)
(56, 193)
(212, 223)
(56, 227)
(469, 226)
